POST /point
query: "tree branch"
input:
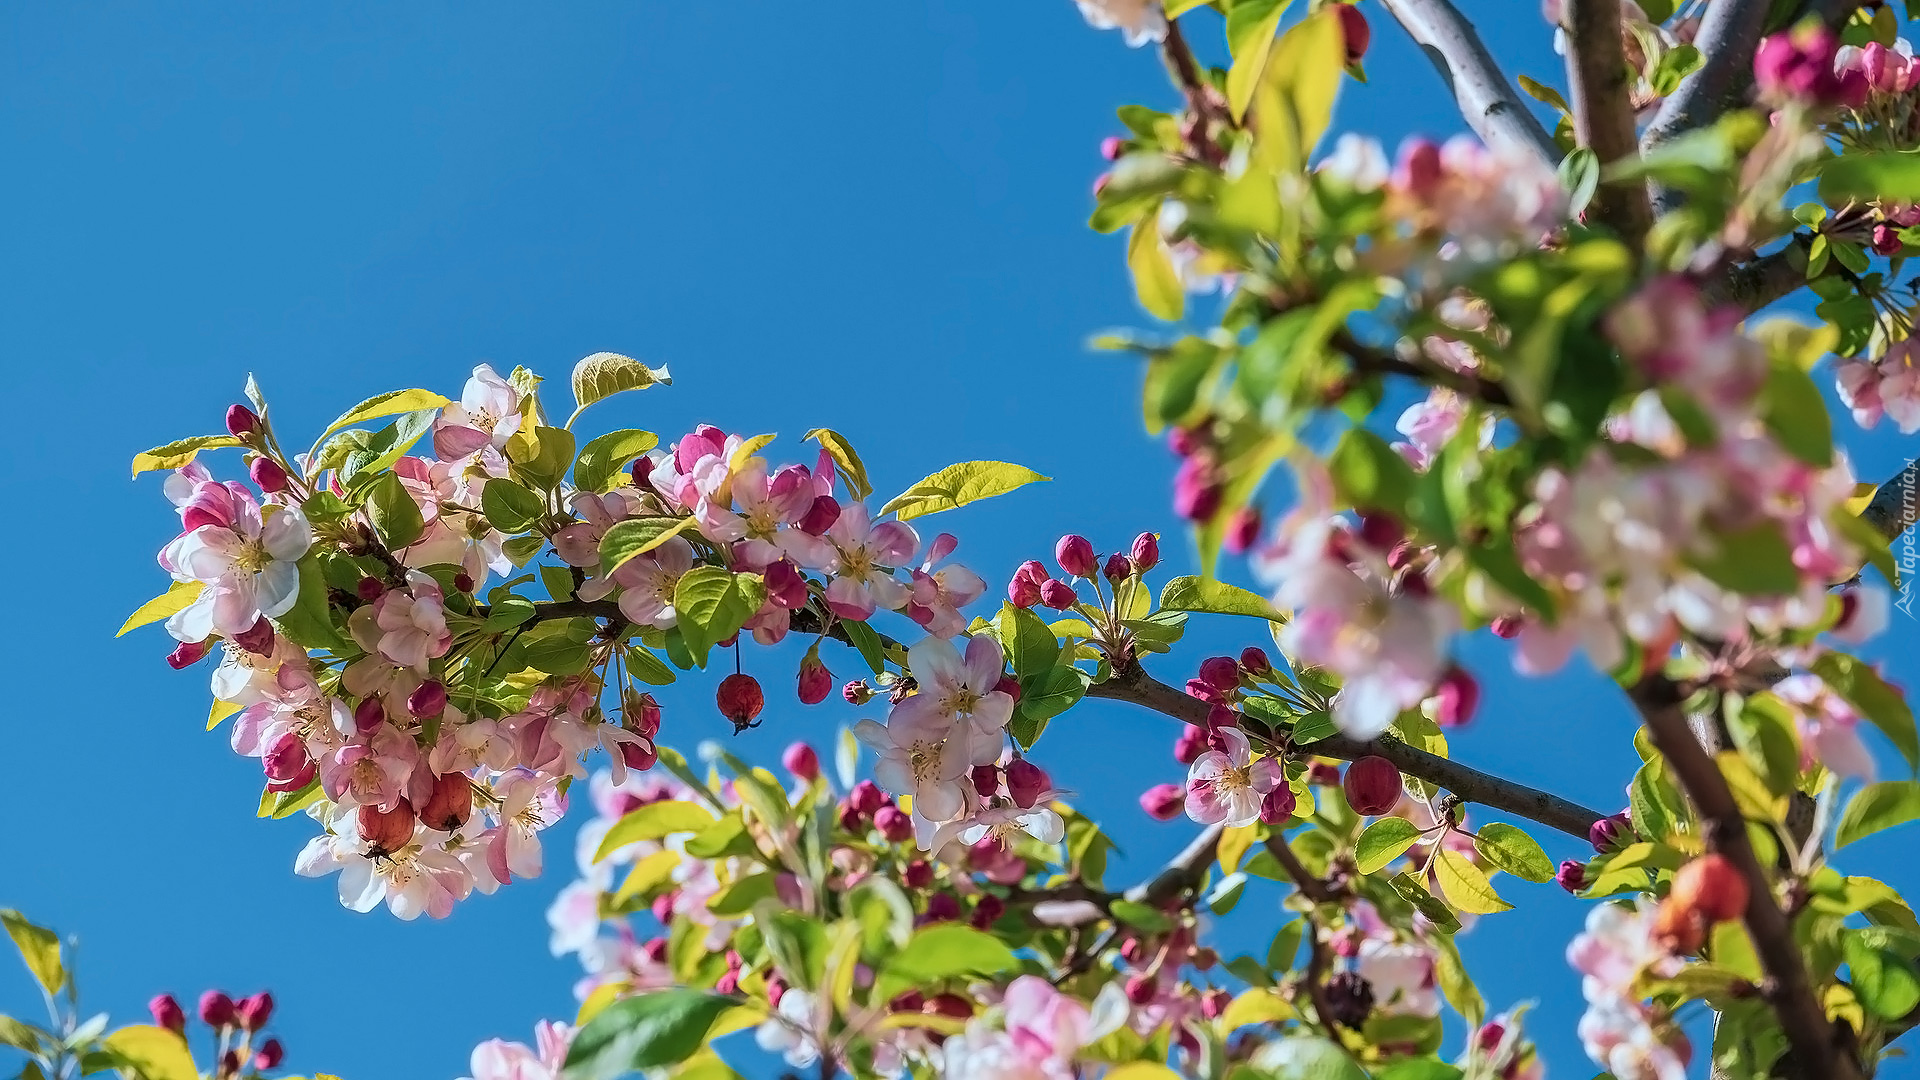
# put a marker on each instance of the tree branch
(1599, 82)
(1370, 360)
(1896, 505)
(1802, 1016)
(1486, 97)
(1133, 684)
(1760, 281)
(1729, 35)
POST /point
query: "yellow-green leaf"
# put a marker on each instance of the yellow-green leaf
(178, 453)
(1876, 807)
(220, 711)
(1142, 1070)
(1258, 1005)
(1190, 593)
(1382, 842)
(651, 822)
(957, 485)
(637, 536)
(851, 469)
(391, 403)
(39, 947)
(604, 374)
(1234, 845)
(164, 606)
(647, 873)
(1154, 278)
(154, 1052)
(1464, 886)
(1251, 26)
(1294, 101)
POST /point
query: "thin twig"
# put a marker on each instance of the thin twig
(1487, 99)
(1599, 85)
(1370, 360)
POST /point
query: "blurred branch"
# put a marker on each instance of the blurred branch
(1373, 361)
(1729, 34)
(1487, 99)
(1598, 80)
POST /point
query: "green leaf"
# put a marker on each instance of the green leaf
(1251, 27)
(943, 951)
(1754, 561)
(604, 374)
(1580, 176)
(739, 897)
(177, 597)
(510, 507)
(957, 485)
(1042, 698)
(1796, 414)
(1190, 593)
(1294, 102)
(310, 622)
(1513, 851)
(1380, 843)
(1876, 807)
(1884, 981)
(1368, 474)
(713, 603)
(852, 472)
(866, 642)
(391, 403)
(1414, 892)
(1155, 281)
(39, 948)
(637, 536)
(396, 517)
(652, 822)
(600, 459)
(153, 1052)
(642, 664)
(1892, 176)
(1141, 916)
(1541, 92)
(178, 453)
(643, 1032)
(1465, 886)
(1880, 703)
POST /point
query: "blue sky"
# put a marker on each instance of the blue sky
(870, 219)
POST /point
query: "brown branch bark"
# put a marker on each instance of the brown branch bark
(1133, 684)
(1487, 99)
(1598, 81)
(1372, 361)
(1789, 991)
(1730, 32)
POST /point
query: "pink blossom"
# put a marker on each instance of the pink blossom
(499, 1060)
(1829, 728)
(919, 758)
(412, 881)
(1043, 1022)
(762, 529)
(1859, 385)
(1429, 424)
(247, 565)
(526, 805)
(413, 623)
(938, 595)
(964, 690)
(647, 582)
(487, 414)
(372, 770)
(865, 554)
(1228, 785)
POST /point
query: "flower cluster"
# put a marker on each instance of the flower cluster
(1620, 1033)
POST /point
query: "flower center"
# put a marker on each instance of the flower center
(855, 563)
(1233, 779)
(252, 557)
(923, 759)
(484, 420)
(963, 700)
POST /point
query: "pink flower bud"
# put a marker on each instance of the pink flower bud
(1142, 988)
(728, 983)
(1213, 1003)
(821, 515)
(1023, 592)
(1220, 672)
(258, 639)
(1253, 660)
(786, 586)
(1886, 240)
(186, 654)
(800, 760)
(1196, 490)
(288, 764)
(918, 874)
(267, 473)
(270, 1055)
(1009, 686)
(1459, 696)
(254, 1012)
(368, 715)
(644, 712)
(739, 699)
(776, 989)
(1191, 743)
(1243, 528)
(1506, 626)
(987, 911)
(1033, 570)
(638, 756)
(1058, 595)
(167, 1012)
(1354, 28)
(216, 1008)
(815, 681)
(428, 700)
(449, 804)
(463, 582)
(867, 797)
(1381, 532)
(655, 949)
(1185, 441)
(1419, 169)
(1112, 148)
(1075, 555)
(1164, 802)
(986, 780)
(1026, 782)
(662, 908)
(1118, 569)
(1145, 554)
(1610, 832)
(852, 820)
(369, 589)
(1372, 785)
(241, 422)
(1278, 805)
(1221, 715)
(1572, 876)
(1100, 183)
(857, 692)
(1201, 690)
(942, 906)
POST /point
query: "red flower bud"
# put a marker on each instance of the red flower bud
(241, 422)
(893, 823)
(1033, 571)
(368, 715)
(386, 831)
(911, 1001)
(1572, 876)
(1381, 532)
(639, 757)
(1026, 782)
(1145, 554)
(857, 692)
(948, 1005)
(1506, 626)
(463, 582)
(167, 1012)
(288, 764)
(986, 780)
(987, 911)
(815, 681)
(1118, 569)
(258, 639)
(1164, 802)
(1009, 686)
(1459, 696)
(1324, 773)
(941, 907)
(1075, 555)
(1112, 148)
(1243, 529)
(1253, 661)
(918, 874)
(450, 803)
(1711, 886)
(1419, 168)
(270, 1055)
(254, 1012)
(1023, 592)
(821, 515)
(428, 700)
(1185, 441)
(739, 699)
(1142, 988)
(1058, 595)
(186, 654)
(369, 589)
(216, 1008)
(1220, 672)
(1372, 785)
(1353, 27)
(229, 1063)
(1191, 743)
(867, 797)
(644, 712)
(1610, 832)
(786, 586)
(268, 474)
(1886, 240)
(1214, 1003)
(1277, 806)
(800, 760)
(1221, 715)
(1196, 490)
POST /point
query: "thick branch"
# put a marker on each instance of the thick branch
(1182, 872)
(1896, 505)
(1801, 1014)
(1492, 108)
(1760, 281)
(1729, 34)
(1134, 685)
(1599, 82)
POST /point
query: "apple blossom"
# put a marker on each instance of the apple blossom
(1229, 785)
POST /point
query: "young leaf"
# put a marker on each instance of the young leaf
(1380, 843)
(510, 507)
(1876, 807)
(1465, 886)
(1251, 27)
(165, 606)
(852, 472)
(391, 403)
(1155, 281)
(652, 822)
(1884, 981)
(39, 948)
(153, 1053)
(957, 485)
(601, 458)
(1189, 593)
(178, 453)
(645, 1031)
(1513, 851)
(637, 536)
(396, 517)
(604, 374)
(713, 603)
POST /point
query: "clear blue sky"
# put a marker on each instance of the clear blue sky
(869, 217)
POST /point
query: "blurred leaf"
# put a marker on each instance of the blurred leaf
(652, 822)
(1155, 281)
(1251, 27)
(1876, 807)
(154, 1053)
(39, 948)
(643, 1032)
(1886, 707)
